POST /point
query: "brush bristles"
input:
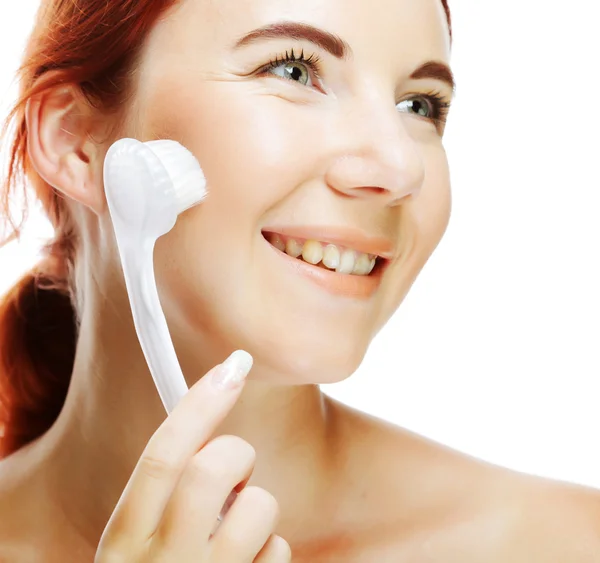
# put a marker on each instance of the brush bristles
(189, 183)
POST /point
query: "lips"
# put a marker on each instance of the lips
(340, 284)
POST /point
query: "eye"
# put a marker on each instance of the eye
(417, 104)
(432, 106)
(295, 68)
(293, 71)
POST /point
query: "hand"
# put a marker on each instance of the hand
(171, 503)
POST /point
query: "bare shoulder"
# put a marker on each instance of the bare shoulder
(553, 521)
(437, 504)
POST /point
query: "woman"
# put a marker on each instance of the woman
(319, 127)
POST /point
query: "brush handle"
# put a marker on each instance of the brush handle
(150, 323)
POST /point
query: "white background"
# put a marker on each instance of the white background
(496, 350)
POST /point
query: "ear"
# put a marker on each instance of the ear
(59, 126)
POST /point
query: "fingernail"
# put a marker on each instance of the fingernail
(233, 371)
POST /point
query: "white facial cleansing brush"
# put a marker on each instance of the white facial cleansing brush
(147, 186)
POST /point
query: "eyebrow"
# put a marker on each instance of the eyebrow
(436, 70)
(337, 47)
(329, 42)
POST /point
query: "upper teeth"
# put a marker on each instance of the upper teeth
(342, 260)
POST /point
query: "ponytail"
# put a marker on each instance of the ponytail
(38, 335)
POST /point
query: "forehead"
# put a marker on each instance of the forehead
(411, 28)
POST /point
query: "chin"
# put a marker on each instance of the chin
(291, 364)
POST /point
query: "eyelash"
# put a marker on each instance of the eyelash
(440, 107)
(313, 62)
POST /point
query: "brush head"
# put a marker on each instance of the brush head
(149, 184)
(182, 167)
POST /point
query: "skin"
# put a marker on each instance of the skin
(350, 487)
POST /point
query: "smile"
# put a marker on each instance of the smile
(342, 262)
(325, 255)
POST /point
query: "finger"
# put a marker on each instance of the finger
(276, 550)
(180, 436)
(247, 526)
(194, 506)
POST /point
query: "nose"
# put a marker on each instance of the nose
(377, 160)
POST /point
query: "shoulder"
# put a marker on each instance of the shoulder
(458, 506)
(553, 521)
(522, 519)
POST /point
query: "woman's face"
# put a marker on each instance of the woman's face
(346, 154)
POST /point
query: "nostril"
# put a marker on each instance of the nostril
(364, 191)
(375, 190)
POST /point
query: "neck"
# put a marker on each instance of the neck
(84, 461)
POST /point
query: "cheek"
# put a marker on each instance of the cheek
(423, 223)
(434, 206)
(429, 214)
(248, 143)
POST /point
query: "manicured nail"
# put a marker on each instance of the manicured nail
(233, 371)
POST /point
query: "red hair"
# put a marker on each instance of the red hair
(88, 44)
